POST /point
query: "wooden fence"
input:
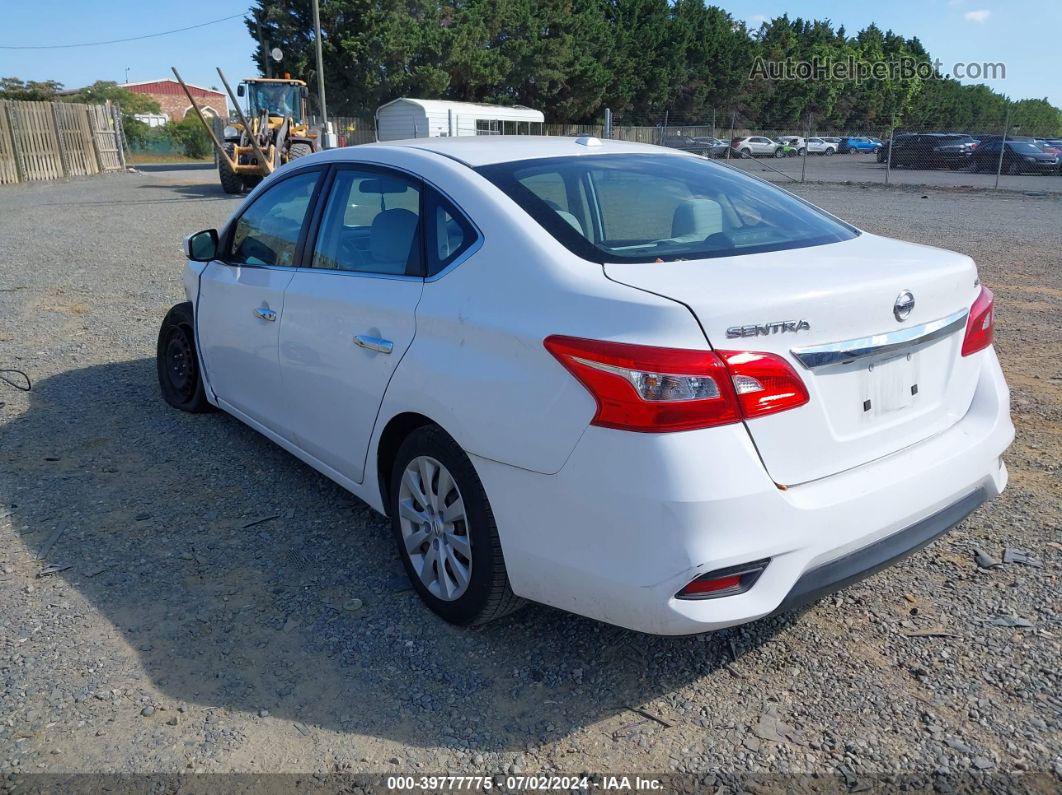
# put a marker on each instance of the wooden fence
(51, 140)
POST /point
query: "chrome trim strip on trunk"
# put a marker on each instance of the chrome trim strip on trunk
(818, 356)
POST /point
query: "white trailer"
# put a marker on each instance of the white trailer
(407, 117)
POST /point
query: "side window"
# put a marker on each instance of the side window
(551, 187)
(449, 233)
(371, 224)
(268, 231)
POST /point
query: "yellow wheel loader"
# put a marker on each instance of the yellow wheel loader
(276, 132)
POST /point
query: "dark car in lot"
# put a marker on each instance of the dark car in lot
(688, 144)
(1019, 156)
(717, 147)
(930, 150)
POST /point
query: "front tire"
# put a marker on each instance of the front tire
(445, 531)
(177, 362)
(299, 150)
(231, 182)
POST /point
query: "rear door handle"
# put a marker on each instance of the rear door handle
(265, 314)
(374, 344)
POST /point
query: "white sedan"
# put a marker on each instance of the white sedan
(621, 380)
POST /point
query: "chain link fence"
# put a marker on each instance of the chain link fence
(998, 155)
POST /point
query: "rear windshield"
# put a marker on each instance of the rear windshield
(649, 208)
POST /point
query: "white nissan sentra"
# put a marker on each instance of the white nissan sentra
(617, 379)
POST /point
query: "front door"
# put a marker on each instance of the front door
(350, 316)
(241, 302)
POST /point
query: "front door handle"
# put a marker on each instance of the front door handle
(374, 344)
(265, 314)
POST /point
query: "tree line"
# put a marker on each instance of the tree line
(644, 59)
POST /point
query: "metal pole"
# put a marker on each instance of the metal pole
(713, 122)
(320, 63)
(209, 128)
(730, 143)
(807, 154)
(608, 123)
(266, 66)
(888, 157)
(1002, 147)
(269, 165)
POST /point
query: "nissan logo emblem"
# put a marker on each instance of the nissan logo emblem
(903, 305)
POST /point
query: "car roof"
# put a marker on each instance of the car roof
(483, 150)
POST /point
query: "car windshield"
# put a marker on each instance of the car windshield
(650, 208)
(276, 99)
(1024, 146)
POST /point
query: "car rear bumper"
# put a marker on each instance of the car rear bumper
(632, 518)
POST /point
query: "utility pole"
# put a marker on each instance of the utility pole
(267, 67)
(320, 62)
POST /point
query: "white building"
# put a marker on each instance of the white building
(427, 118)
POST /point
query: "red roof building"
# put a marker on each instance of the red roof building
(168, 93)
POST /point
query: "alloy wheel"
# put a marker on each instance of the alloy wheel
(434, 525)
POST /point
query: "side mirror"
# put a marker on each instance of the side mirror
(239, 90)
(202, 246)
(304, 92)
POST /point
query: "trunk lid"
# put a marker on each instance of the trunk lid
(877, 384)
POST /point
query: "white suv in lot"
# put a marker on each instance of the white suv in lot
(821, 146)
(624, 381)
(757, 146)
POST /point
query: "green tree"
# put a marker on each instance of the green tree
(32, 90)
(190, 135)
(107, 90)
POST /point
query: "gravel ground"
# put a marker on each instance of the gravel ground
(180, 595)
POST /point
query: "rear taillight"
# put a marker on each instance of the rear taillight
(764, 383)
(980, 324)
(650, 389)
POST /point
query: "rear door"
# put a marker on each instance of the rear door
(349, 316)
(241, 300)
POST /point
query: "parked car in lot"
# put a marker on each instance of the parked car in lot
(851, 144)
(794, 145)
(716, 147)
(687, 143)
(1019, 156)
(932, 150)
(821, 146)
(584, 373)
(757, 146)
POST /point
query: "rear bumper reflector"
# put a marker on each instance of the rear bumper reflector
(724, 582)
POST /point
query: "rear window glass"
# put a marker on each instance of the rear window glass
(648, 208)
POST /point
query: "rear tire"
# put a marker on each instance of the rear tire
(299, 150)
(829, 151)
(177, 362)
(779, 152)
(445, 531)
(231, 182)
